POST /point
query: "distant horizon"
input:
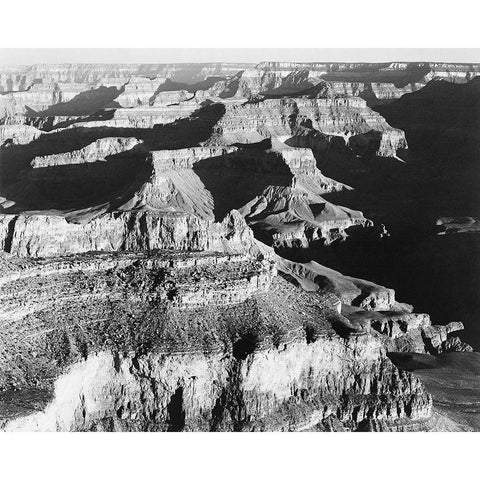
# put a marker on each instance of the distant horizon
(254, 56)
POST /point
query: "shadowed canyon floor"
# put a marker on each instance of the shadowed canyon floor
(204, 247)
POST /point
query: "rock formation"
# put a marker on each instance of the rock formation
(260, 355)
(161, 235)
(95, 152)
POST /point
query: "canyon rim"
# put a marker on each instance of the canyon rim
(272, 246)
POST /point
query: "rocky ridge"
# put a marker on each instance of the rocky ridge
(139, 286)
(248, 334)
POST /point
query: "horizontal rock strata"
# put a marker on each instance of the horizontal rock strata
(254, 358)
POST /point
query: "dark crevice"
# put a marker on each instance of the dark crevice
(9, 237)
(245, 346)
(175, 412)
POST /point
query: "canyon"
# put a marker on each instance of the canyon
(204, 247)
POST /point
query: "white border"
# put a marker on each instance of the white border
(242, 24)
(240, 456)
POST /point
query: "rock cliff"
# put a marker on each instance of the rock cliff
(94, 152)
(145, 213)
(260, 355)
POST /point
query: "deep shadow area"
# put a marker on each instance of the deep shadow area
(236, 178)
(231, 87)
(175, 411)
(171, 86)
(14, 403)
(441, 123)
(85, 103)
(383, 187)
(372, 72)
(438, 274)
(47, 123)
(87, 185)
(292, 84)
(453, 380)
(246, 345)
(439, 175)
(439, 103)
(71, 187)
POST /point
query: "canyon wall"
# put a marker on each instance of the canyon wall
(151, 222)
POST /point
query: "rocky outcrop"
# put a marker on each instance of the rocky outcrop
(139, 91)
(171, 97)
(437, 339)
(450, 225)
(96, 151)
(186, 158)
(254, 358)
(141, 117)
(181, 179)
(185, 281)
(349, 118)
(43, 97)
(387, 81)
(37, 235)
(387, 92)
(351, 291)
(371, 308)
(405, 331)
(135, 290)
(141, 393)
(253, 122)
(296, 215)
(19, 77)
(290, 217)
(38, 97)
(13, 78)
(18, 134)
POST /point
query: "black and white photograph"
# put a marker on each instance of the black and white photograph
(239, 239)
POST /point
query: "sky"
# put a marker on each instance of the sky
(249, 55)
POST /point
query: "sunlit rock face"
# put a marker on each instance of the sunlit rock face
(159, 226)
(94, 152)
(345, 117)
(36, 235)
(139, 91)
(18, 134)
(241, 365)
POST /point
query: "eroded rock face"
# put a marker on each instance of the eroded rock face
(94, 152)
(141, 117)
(349, 118)
(143, 210)
(186, 158)
(351, 291)
(139, 91)
(371, 308)
(290, 217)
(42, 99)
(14, 78)
(36, 235)
(215, 393)
(18, 134)
(252, 360)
